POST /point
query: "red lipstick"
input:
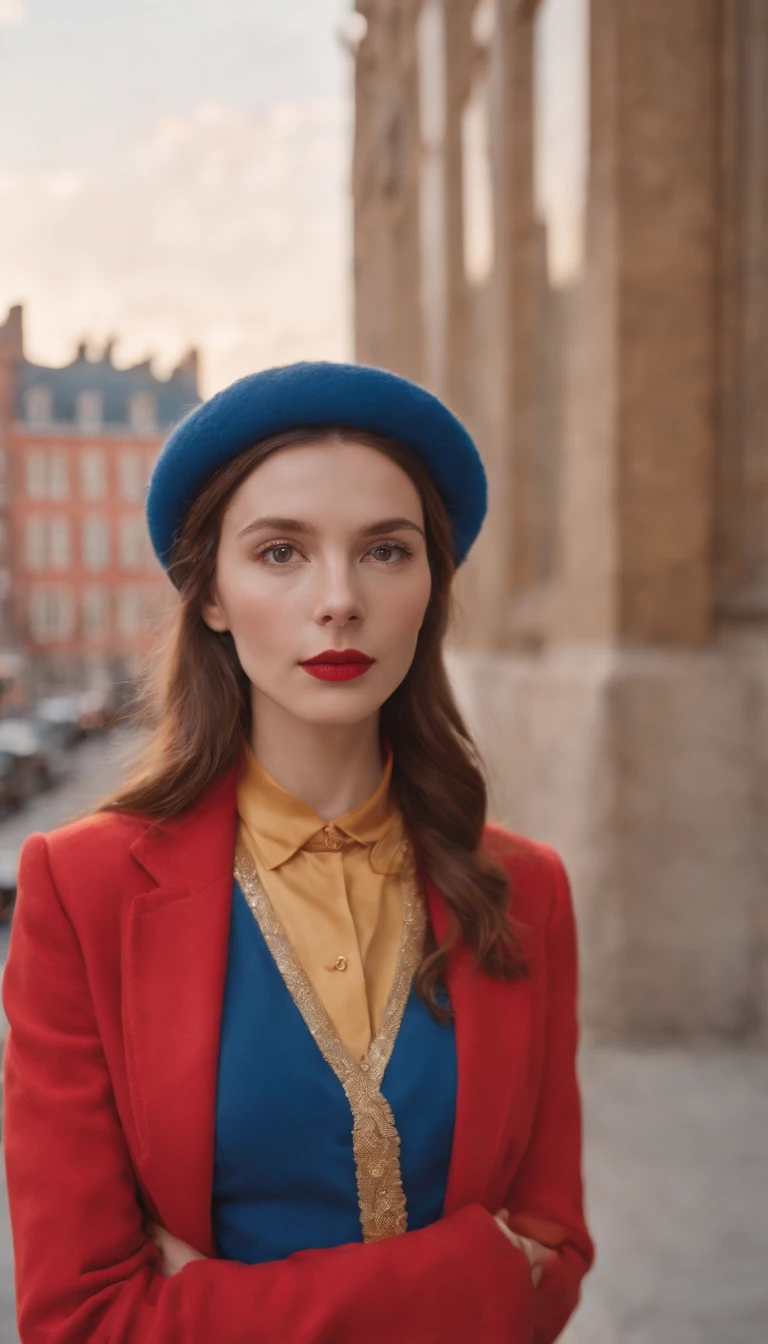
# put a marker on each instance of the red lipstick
(338, 664)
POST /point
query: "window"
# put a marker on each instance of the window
(59, 543)
(35, 543)
(131, 476)
(47, 474)
(51, 614)
(38, 614)
(38, 405)
(130, 611)
(37, 474)
(142, 412)
(93, 474)
(95, 542)
(58, 474)
(95, 613)
(133, 541)
(89, 410)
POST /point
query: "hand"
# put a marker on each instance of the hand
(534, 1250)
(176, 1253)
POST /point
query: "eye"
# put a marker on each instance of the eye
(403, 552)
(276, 546)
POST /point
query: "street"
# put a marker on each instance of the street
(97, 765)
(675, 1161)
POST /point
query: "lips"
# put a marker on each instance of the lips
(338, 656)
(335, 665)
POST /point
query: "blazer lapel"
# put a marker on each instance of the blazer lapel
(492, 1026)
(174, 973)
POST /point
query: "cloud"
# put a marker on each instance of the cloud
(224, 229)
(12, 13)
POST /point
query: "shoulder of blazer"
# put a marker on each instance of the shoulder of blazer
(92, 856)
(96, 843)
(88, 864)
(537, 874)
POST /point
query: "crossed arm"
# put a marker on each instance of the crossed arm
(86, 1270)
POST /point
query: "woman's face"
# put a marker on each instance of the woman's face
(341, 575)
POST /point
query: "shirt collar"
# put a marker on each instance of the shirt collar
(278, 823)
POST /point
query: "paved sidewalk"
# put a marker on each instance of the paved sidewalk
(676, 1174)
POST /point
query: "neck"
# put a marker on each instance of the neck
(331, 768)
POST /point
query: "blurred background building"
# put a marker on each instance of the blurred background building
(80, 590)
(561, 226)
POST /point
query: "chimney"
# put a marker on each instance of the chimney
(11, 356)
(12, 333)
(189, 367)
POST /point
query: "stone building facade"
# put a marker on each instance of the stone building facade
(81, 593)
(561, 226)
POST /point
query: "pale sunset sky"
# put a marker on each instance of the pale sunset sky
(176, 173)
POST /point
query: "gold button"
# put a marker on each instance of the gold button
(340, 963)
(333, 839)
(364, 1065)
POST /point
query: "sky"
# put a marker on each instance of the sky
(176, 173)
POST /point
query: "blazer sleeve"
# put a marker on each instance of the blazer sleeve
(546, 1198)
(84, 1268)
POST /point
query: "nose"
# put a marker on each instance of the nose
(339, 596)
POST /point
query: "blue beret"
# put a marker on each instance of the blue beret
(296, 395)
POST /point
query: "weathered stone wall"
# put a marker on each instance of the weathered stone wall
(612, 630)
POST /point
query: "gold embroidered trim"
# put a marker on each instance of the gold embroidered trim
(375, 1140)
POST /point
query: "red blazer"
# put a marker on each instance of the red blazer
(113, 989)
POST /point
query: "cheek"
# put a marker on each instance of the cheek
(257, 618)
(405, 614)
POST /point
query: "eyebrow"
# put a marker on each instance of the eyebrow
(298, 525)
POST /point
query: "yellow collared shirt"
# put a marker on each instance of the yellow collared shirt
(335, 887)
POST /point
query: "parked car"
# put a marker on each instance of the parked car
(63, 714)
(12, 791)
(97, 710)
(39, 756)
(9, 862)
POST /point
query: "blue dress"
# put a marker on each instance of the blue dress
(284, 1167)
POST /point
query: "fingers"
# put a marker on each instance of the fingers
(534, 1251)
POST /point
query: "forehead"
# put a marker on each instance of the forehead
(345, 476)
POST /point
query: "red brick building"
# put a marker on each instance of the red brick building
(80, 589)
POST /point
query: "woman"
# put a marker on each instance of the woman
(292, 1028)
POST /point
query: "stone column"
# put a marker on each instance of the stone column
(742, 469)
(385, 177)
(637, 504)
(634, 742)
(518, 260)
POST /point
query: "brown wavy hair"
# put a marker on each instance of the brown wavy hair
(195, 699)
